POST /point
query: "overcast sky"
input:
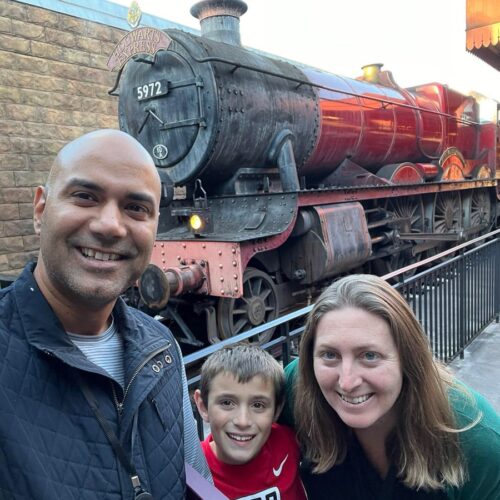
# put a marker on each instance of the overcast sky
(420, 41)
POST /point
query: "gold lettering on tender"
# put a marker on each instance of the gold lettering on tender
(139, 41)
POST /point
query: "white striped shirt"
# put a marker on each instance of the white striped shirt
(104, 349)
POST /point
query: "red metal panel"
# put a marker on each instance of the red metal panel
(222, 261)
(341, 125)
(464, 108)
(375, 125)
(431, 125)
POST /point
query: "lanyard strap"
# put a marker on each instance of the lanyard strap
(140, 494)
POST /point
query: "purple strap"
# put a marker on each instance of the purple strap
(199, 486)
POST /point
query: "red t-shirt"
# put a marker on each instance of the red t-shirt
(272, 475)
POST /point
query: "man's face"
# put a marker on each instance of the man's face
(240, 416)
(97, 222)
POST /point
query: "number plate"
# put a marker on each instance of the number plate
(151, 90)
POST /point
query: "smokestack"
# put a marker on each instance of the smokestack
(220, 19)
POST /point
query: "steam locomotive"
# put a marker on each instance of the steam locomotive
(277, 177)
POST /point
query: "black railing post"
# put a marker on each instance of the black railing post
(497, 280)
(462, 301)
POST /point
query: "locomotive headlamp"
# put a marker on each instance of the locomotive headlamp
(195, 222)
(200, 222)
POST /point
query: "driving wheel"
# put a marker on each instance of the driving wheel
(257, 306)
(410, 212)
(447, 217)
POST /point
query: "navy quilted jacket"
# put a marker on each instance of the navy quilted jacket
(51, 444)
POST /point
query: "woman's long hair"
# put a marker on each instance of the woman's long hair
(424, 445)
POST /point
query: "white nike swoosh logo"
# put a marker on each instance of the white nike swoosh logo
(277, 471)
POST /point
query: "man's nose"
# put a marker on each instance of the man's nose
(109, 222)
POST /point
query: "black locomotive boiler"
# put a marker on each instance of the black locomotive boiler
(277, 177)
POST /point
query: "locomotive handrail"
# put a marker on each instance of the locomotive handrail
(317, 85)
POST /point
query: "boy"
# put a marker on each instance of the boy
(241, 395)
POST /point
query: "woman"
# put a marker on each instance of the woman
(376, 416)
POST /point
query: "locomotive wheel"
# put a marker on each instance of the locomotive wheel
(258, 305)
(447, 217)
(447, 212)
(479, 210)
(412, 210)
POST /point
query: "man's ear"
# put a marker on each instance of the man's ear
(38, 207)
(202, 409)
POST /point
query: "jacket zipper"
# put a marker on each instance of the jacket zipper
(119, 404)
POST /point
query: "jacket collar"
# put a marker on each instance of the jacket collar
(45, 332)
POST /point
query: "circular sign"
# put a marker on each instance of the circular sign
(160, 152)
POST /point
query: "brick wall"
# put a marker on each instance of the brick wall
(53, 88)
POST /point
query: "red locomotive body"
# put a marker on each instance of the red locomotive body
(277, 177)
(376, 125)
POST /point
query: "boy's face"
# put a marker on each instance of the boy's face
(240, 416)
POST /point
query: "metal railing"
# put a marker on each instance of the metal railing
(454, 300)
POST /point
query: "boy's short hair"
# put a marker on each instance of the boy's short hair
(244, 362)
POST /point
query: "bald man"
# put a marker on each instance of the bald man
(93, 394)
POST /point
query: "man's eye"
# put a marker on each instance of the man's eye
(226, 403)
(83, 196)
(134, 207)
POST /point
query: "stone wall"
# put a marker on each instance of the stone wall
(53, 88)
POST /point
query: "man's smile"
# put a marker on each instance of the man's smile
(98, 255)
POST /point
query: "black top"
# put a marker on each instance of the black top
(357, 479)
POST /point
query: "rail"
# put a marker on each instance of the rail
(454, 300)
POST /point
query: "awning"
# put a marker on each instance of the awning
(483, 30)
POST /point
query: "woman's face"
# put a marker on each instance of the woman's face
(357, 367)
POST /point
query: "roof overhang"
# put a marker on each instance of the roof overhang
(483, 30)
